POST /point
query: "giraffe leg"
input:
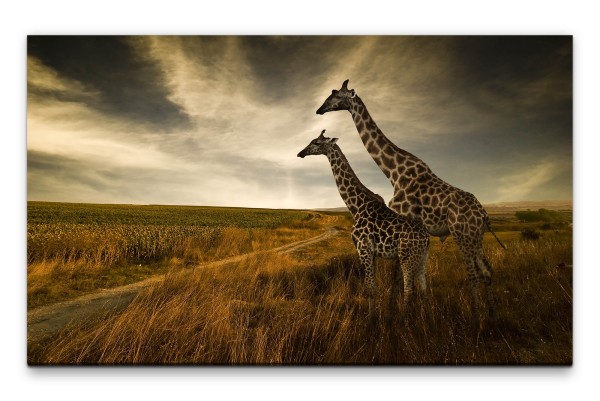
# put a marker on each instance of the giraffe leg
(487, 281)
(421, 273)
(421, 284)
(485, 271)
(408, 275)
(473, 275)
(474, 281)
(366, 256)
(396, 277)
(463, 226)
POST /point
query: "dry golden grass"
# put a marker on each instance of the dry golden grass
(82, 263)
(275, 309)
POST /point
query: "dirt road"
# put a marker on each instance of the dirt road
(48, 320)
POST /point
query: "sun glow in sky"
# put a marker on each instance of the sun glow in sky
(219, 120)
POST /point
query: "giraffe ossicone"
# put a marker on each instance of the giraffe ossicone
(419, 193)
(377, 230)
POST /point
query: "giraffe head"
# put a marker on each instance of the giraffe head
(318, 146)
(338, 100)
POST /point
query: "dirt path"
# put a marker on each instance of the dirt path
(48, 320)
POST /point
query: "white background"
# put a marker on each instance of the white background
(19, 19)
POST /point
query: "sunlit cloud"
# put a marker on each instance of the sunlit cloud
(523, 184)
(42, 77)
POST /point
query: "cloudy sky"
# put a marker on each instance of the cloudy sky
(219, 120)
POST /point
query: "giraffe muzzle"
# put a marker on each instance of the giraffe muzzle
(323, 109)
(302, 154)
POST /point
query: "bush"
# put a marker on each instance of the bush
(545, 215)
(530, 233)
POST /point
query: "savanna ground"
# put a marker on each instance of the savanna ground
(308, 307)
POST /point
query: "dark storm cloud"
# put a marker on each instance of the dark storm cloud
(286, 65)
(495, 79)
(528, 79)
(128, 85)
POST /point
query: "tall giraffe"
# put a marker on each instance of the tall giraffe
(377, 230)
(419, 193)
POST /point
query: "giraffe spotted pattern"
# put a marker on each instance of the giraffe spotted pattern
(377, 231)
(420, 194)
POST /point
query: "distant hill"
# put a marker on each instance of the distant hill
(533, 205)
(499, 206)
(331, 209)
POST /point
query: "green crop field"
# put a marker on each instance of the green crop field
(109, 234)
(83, 213)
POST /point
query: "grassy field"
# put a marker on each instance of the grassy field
(310, 308)
(73, 249)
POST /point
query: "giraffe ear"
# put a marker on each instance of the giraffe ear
(322, 132)
(352, 94)
(345, 84)
(333, 140)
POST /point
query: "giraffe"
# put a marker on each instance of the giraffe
(419, 193)
(377, 230)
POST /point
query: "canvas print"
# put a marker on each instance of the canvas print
(299, 200)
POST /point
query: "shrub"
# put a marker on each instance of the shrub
(530, 233)
(544, 215)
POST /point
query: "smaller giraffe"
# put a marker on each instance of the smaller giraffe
(377, 230)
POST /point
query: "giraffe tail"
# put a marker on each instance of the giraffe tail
(487, 222)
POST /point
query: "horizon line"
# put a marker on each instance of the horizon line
(281, 208)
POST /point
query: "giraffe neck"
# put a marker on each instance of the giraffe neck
(352, 191)
(383, 151)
